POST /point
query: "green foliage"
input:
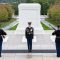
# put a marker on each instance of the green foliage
(54, 12)
(14, 4)
(12, 1)
(54, 22)
(5, 12)
(45, 27)
(15, 8)
(28, 1)
(14, 27)
(5, 23)
(9, 9)
(45, 4)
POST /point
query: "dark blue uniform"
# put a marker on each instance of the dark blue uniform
(2, 33)
(29, 33)
(57, 41)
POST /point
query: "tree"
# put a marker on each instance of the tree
(28, 1)
(54, 13)
(45, 4)
(15, 8)
(8, 7)
(5, 12)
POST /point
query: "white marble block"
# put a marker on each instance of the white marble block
(29, 12)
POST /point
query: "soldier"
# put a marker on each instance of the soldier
(29, 33)
(2, 35)
(57, 40)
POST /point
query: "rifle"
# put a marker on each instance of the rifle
(52, 27)
(3, 36)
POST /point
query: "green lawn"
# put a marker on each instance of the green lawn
(5, 23)
(54, 22)
(45, 27)
(14, 27)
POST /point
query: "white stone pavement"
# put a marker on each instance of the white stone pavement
(28, 57)
(15, 41)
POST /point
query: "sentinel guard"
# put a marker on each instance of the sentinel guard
(57, 40)
(29, 34)
(2, 35)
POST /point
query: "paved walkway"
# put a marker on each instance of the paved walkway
(14, 42)
(28, 57)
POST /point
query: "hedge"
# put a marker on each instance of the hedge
(5, 12)
(54, 12)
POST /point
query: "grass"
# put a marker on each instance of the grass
(54, 22)
(5, 23)
(45, 27)
(14, 27)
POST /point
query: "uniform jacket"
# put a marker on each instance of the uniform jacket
(29, 32)
(2, 33)
(57, 33)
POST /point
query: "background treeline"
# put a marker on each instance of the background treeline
(48, 7)
(54, 13)
(6, 12)
(44, 3)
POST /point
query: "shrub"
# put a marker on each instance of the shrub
(45, 4)
(15, 8)
(9, 10)
(54, 12)
(5, 12)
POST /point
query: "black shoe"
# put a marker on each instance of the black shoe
(0, 55)
(30, 51)
(58, 55)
